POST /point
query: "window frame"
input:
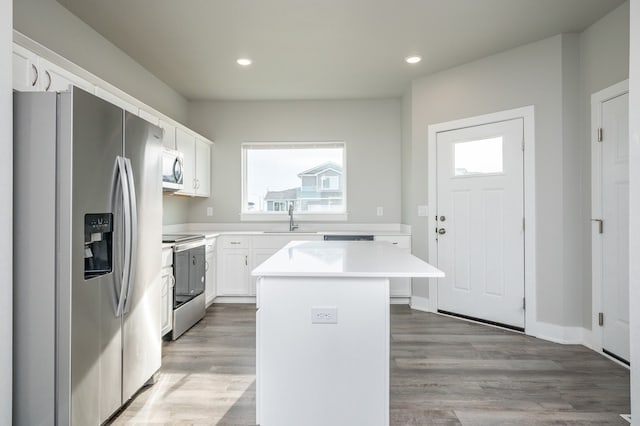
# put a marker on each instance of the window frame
(283, 216)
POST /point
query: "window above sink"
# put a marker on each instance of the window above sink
(310, 176)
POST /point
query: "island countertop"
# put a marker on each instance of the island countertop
(344, 259)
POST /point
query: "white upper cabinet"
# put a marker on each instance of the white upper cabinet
(32, 73)
(169, 138)
(56, 79)
(197, 164)
(203, 168)
(26, 75)
(186, 143)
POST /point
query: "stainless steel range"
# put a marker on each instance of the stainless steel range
(189, 274)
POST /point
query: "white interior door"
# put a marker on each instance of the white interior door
(615, 226)
(480, 211)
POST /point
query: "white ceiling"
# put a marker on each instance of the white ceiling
(320, 49)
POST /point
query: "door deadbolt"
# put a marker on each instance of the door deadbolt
(442, 231)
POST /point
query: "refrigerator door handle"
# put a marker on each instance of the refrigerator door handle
(133, 236)
(121, 182)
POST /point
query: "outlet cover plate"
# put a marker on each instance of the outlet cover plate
(324, 315)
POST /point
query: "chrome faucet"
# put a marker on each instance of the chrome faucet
(292, 226)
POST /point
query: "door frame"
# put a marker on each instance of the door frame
(528, 117)
(597, 99)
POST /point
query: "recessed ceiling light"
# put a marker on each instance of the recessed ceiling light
(245, 62)
(413, 59)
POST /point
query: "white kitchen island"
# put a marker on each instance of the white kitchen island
(323, 332)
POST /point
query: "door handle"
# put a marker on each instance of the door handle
(133, 219)
(442, 231)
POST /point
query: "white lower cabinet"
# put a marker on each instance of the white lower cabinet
(234, 271)
(238, 255)
(398, 287)
(168, 282)
(210, 280)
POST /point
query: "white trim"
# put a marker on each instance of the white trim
(400, 300)
(597, 99)
(527, 114)
(297, 217)
(234, 299)
(564, 335)
(258, 216)
(419, 303)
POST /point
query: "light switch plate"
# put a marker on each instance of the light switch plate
(324, 315)
(380, 211)
(209, 211)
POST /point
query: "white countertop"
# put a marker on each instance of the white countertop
(344, 259)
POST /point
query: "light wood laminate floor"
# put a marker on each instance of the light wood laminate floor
(444, 371)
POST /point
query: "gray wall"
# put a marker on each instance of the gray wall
(175, 210)
(529, 75)
(408, 206)
(604, 61)
(556, 75)
(53, 26)
(6, 214)
(371, 130)
(634, 213)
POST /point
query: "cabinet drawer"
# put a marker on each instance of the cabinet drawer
(167, 256)
(402, 241)
(231, 242)
(279, 241)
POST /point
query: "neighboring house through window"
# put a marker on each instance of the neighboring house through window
(308, 176)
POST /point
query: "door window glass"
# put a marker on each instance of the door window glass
(478, 157)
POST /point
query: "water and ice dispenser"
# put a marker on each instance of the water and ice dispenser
(98, 235)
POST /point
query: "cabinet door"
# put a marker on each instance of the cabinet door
(185, 143)
(166, 308)
(26, 75)
(259, 256)
(56, 79)
(400, 287)
(169, 137)
(234, 273)
(210, 287)
(203, 166)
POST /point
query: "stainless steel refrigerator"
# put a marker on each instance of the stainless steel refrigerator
(87, 253)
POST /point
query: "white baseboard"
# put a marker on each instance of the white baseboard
(234, 299)
(564, 335)
(420, 303)
(400, 300)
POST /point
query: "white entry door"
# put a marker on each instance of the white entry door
(480, 226)
(614, 230)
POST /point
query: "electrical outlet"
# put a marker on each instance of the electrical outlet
(324, 315)
(423, 211)
(209, 211)
(380, 211)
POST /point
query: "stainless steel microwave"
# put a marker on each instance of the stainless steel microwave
(172, 163)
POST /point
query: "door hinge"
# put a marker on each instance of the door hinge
(523, 144)
(523, 223)
(600, 137)
(600, 319)
(524, 303)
